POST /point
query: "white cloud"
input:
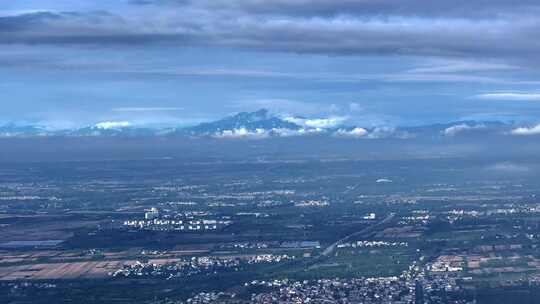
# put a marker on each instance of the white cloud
(286, 132)
(376, 133)
(527, 130)
(262, 133)
(510, 96)
(508, 167)
(322, 123)
(354, 133)
(454, 130)
(242, 133)
(300, 132)
(112, 125)
(462, 66)
(382, 132)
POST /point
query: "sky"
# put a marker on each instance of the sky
(72, 63)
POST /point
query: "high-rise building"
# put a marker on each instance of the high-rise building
(151, 214)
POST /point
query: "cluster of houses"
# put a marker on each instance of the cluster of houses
(153, 221)
(369, 244)
(193, 266)
(415, 285)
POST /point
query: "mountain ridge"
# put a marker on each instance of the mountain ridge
(262, 124)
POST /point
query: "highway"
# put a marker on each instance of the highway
(333, 246)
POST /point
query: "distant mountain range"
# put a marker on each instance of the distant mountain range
(249, 121)
(262, 124)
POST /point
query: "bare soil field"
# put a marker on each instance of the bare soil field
(52, 271)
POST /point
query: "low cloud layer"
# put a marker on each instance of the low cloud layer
(242, 133)
(112, 125)
(455, 130)
(317, 123)
(510, 96)
(354, 133)
(535, 130)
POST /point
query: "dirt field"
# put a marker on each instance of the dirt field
(74, 270)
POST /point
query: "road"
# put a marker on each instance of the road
(332, 247)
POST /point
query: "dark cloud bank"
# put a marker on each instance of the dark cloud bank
(501, 29)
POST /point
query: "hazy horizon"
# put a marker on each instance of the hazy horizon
(67, 64)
